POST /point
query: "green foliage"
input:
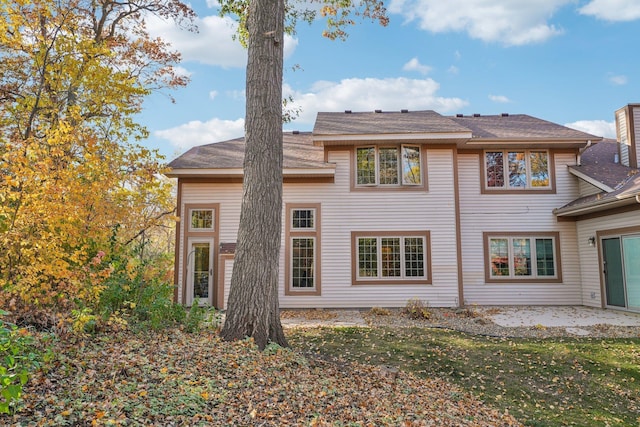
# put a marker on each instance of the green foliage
(139, 291)
(18, 357)
(417, 309)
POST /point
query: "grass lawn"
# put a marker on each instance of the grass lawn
(542, 382)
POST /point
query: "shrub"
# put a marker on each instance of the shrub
(417, 309)
(379, 311)
(18, 357)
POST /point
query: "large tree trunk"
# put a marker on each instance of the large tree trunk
(253, 309)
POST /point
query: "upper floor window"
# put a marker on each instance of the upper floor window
(388, 166)
(515, 170)
(201, 219)
(303, 219)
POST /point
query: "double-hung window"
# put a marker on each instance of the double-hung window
(515, 257)
(390, 257)
(303, 239)
(517, 170)
(387, 166)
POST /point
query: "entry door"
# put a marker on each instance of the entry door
(613, 272)
(200, 271)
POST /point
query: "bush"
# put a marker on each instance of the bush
(18, 357)
(417, 309)
(379, 311)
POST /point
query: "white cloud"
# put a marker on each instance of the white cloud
(213, 44)
(453, 70)
(196, 132)
(181, 71)
(213, 94)
(499, 98)
(369, 94)
(510, 22)
(618, 80)
(595, 127)
(415, 65)
(612, 10)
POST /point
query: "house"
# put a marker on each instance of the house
(381, 207)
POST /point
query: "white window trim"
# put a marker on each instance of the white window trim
(190, 219)
(315, 263)
(403, 275)
(534, 268)
(401, 181)
(303, 229)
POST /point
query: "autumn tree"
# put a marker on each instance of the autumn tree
(253, 307)
(74, 181)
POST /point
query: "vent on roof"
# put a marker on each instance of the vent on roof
(505, 114)
(347, 111)
(476, 115)
(459, 115)
(296, 132)
(378, 111)
(404, 111)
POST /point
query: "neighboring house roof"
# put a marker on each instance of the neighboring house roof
(620, 184)
(226, 158)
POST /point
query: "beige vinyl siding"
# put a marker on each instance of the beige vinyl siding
(591, 265)
(587, 189)
(636, 132)
(623, 133)
(344, 211)
(520, 213)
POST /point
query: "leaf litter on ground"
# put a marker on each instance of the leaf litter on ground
(175, 378)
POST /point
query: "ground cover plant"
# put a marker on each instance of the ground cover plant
(172, 377)
(542, 382)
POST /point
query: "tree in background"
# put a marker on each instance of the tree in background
(74, 184)
(253, 307)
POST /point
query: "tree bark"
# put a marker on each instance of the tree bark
(253, 308)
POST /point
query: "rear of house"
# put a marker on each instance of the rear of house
(381, 207)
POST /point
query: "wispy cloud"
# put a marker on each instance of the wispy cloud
(197, 132)
(612, 10)
(504, 21)
(500, 99)
(618, 80)
(415, 65)
(595, 127)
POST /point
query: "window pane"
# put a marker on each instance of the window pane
(517, 170)
(539, 168)
(411, 165)
(522, 257)
(499, 253)
(495, 169)
(201, 268)
(413, 257)
(388, 165)
(303, 218)
(202, 219)
(302, 263)
(390, 250)
(368, 257)
(544, 257)
(366, 159)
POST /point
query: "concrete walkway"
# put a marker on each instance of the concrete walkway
(562, 316)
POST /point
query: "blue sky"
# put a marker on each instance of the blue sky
(572, 62)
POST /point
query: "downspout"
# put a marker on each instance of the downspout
(582, 150)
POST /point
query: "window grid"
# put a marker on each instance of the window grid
(383, 166)
(512, 257)
(303, 219)
(527, 169)
(391, 257)
(303, 262)
(201, 219)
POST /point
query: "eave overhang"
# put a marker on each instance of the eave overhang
(326, 172)
(590, 180)
(413, 137)
(603, 204)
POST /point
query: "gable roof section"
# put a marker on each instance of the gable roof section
(225, 159)
(620, 184)
(347, 127)
(429, 126)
